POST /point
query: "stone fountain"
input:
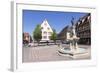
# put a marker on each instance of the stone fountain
(73, 50)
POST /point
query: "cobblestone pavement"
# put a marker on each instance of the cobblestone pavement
(48, 53)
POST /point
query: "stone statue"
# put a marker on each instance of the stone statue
(73, 38)
(73, 27)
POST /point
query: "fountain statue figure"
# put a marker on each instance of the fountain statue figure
(73, 38)
(73, 26)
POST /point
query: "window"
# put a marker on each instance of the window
(44, 32)
(44, 37)
(48, 28)
(45, 24)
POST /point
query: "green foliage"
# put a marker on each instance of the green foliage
(54, 35)
(37, 35)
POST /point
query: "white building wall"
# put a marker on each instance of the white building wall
(46, 30)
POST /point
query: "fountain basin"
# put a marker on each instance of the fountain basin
(72, 53)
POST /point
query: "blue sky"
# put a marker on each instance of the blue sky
(57, 20)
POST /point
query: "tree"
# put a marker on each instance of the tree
(37, 35)
(54, 36)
